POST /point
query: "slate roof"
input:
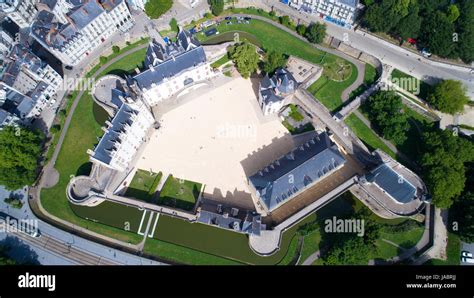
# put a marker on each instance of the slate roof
(170, 60)
(252, 224)
(16, 103)
(289, 175)
(122, 119)
(84, 14)
(352, 3)
(281, 84)
(392, 183)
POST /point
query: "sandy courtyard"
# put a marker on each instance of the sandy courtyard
(209, 140)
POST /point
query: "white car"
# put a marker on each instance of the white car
(466, 257)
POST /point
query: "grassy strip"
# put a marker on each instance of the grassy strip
(366, 134)
(221, 61)
(411, 84)
(452, 252)
(178, 193)
(143, 185)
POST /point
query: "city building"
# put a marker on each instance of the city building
(138, 4)
(16, 108)
(59, 8)
(341, 12)
(171, 68)
(6, 42)
(125, 133)
(22, 12)
(89, 24)
(288, 176)
(275, 92)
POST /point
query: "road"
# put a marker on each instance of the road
(395, 56)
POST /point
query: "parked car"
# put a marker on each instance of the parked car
(228, 18)
(68, 67)
(229, 23)
(247, 18)
(467, 260)
(466, 254)
(425, 53)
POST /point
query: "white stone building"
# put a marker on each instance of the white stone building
(89, 24)
(275, 92)
(172, 68)
(6, 42)
(59, 8)
(124, 134)
(343, 12)
(138, 4)
(22, 12)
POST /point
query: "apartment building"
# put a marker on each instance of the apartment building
(138, 4)
(89, 24)
(341, 12)
(275, 91)
(59, 8)
(22, 12)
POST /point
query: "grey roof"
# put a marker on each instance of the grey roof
(16, 103)
(281, 84)
(392, 183)
(84, 14)
(103, 150)
(3, 116)
(292, 173)
(25, 57)
(251, 225)
(49, 3)
(164, 62)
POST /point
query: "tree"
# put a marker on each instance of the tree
(437, 34)
(301, 29)
(20, 149)
(453, 13)
(115, 49)
(449, 96)
(386, 113)
(156, 8)
(285, 21)
(274, 60)
(463, 210)
(217, 6)
(384, 15)
(245, 57)
(409, 26)
(103, 59)
(353, 251)
(466, 32)
(442, 161)
(55, 128)
(316, 32)
(4, 259)
(174, 25)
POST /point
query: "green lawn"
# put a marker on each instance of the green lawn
(295, 114)
(311, 245)
(370, 75)
(406, 239)
(385, 250)
(367, 135)
(179, 193)
(73, 160)
(143, 185)
(221, 61)
(411, 84)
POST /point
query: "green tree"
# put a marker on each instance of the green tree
(386, 113)
(217, 6)
(20, 149)
(103, 59)
(156, 8)
(353, 251)
(274, 60)
(174, 25)
(466, 32)
(316, 32)
(449, 96)
(301, 29)
(383, 15)
(463, 210)
(4, 259)
(285, 21)
(115, 49)
(55, 128)
(245, 57)
(453, 13)
(443, 165)
(409, 26)
(437, 34)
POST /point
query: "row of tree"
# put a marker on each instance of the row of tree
(443, 27)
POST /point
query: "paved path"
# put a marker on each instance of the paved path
(311, 259)
(359, 65)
